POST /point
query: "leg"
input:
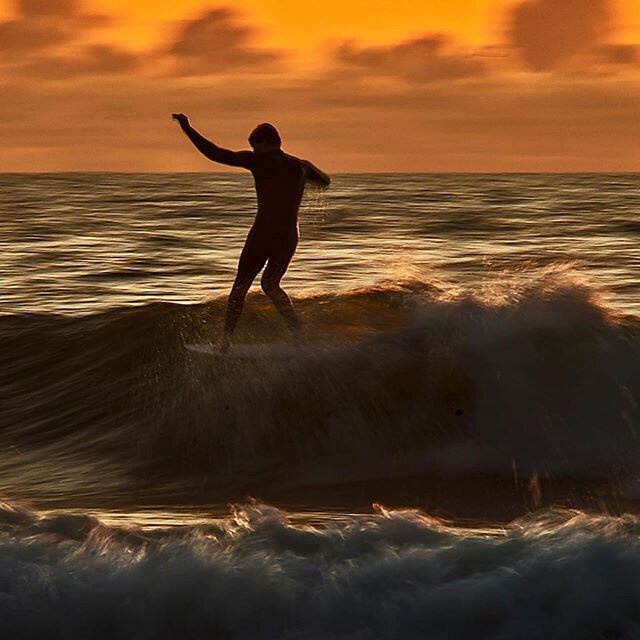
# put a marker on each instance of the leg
(273, 274)
(252, 260)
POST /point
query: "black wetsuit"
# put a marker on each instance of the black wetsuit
(279, 179)
(273, 238)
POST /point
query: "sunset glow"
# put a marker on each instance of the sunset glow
(320, 320)
(450, 85)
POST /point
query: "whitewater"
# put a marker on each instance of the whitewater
(460, 462)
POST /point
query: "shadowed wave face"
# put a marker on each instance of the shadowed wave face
(533, 382)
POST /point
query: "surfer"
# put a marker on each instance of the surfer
(279, 180)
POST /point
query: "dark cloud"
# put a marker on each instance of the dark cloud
(19, 36)
(59, 12)
(619, 54)
(426, 59)
(551, 33)
(44, 24)
(48, 7)
(43, 41)
(46, 40)
(94, 60)
(107, 59)
(215, 42)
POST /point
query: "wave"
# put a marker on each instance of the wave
(257, 574)
(530, 378)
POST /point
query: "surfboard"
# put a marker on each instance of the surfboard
(263, 351)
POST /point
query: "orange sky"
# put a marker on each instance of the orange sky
(361, 85)
(294, 24)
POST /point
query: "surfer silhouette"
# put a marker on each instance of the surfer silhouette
(272, 240)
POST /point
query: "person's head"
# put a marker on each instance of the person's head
(265, 137)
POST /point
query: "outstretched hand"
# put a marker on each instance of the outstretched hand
(181, 118)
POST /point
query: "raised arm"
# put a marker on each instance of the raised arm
(212, 151)
(315, 175)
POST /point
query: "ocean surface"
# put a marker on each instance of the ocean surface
(456, 456)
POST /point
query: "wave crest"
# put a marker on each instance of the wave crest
(529, 376)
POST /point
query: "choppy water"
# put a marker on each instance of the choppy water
(484, 362)
(260, 574)
(78, 243)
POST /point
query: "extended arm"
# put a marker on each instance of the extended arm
(212, 151)
(315, 175)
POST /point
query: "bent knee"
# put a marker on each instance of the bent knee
(239, 290)
(270, 287)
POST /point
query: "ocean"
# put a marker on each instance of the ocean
(457, 456)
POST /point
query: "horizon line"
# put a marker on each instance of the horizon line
(337, 173)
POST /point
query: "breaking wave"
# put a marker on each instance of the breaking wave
(532, 379)
(255, 574)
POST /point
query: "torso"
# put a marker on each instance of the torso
(279, 180)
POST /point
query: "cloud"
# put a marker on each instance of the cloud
(47, 39)
(48, 7)
(22, 35)
(92, 60)
(619, 54)
(59, 13)
(44, 24)
(431, 105)
(215, 42)
(427, 59)
(44, 41)
(551, 33)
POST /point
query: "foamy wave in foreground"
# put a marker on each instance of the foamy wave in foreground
(254, 575)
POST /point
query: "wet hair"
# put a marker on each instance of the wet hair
(267, 133)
